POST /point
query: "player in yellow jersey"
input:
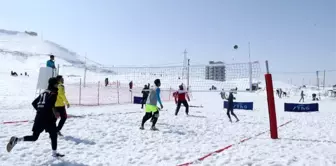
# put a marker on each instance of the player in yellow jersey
(60, 104)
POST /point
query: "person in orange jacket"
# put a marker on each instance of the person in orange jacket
(60, 104)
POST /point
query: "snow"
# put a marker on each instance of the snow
(110, 135)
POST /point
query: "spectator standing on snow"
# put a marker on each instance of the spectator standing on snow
(106, 81)
(278, 92)
(223, 95)
(314, 97)
(145, 92)
(130, 85)
(302, 97)
(51, 64)
(44, 120)
(230, 107)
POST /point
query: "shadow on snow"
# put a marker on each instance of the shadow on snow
(78, 140)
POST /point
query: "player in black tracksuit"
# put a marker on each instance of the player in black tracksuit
(44, 120)
(230, 107)
(145, 93)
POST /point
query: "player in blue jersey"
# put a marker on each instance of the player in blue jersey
(152, 110)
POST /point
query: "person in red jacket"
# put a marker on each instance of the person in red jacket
(181, 97)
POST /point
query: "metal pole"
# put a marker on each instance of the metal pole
(169, 93)
(85, 71)
(267, 69)
(250, 67)
(118, 91)
(58, 67)
(324, 72)
(131, 96)
(80, 91)
(317, 80)
(188, 75)
(98, 90)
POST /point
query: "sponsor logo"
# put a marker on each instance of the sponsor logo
(240, 106)
(301, 107)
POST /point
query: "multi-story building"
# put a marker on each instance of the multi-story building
(215, 71)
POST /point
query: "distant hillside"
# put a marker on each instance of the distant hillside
(28, 43)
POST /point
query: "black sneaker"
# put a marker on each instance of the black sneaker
(12, 142)
(154, 128)
(58, 155)
(142, 128)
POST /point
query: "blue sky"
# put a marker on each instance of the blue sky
(294, 35)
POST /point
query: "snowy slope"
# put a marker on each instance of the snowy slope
(22, 42)
(22, 53)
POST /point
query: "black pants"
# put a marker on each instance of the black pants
(149, 115)
(186, 105)
(63, 115)
(42, 123)
(52, 134)
(302, 99)
(230, 110)
(144, 99)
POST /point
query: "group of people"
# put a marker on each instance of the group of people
(15, 74)
(150, 98)
(52, 103)
(281, 93)
(49, 106)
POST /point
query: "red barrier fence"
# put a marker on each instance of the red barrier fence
(94, 94)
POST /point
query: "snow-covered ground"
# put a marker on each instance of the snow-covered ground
(110, 135)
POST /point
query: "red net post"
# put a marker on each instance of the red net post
(271, 104)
